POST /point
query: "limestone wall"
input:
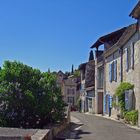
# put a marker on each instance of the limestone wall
(111, 86)
(133, 75)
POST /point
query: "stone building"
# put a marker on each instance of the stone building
(82, 69)
(71, 90)
(121, 63)
(88, 86)
(70, 87)
(101, 74)
(136, 59)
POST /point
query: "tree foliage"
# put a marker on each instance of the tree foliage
(28, 98)
(77, 73)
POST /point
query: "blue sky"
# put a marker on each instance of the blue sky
(57, 33)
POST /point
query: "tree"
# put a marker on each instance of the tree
(77, 73)
(72, 69)
(28, 97)
(91, 56)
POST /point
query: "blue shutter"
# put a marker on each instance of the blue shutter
(110, 101)
(132, 55)
(126, 51)
(126, 100)
(110, 72)
(105, 103)
(115, 70)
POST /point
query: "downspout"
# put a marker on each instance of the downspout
(121, 52)
(104, 82)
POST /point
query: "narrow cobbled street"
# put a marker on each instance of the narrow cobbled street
(90, 127)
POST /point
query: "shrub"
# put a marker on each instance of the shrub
(131, 116)
(120, 92)
(29, 98)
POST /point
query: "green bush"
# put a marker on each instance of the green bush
(120, 92)
(131, 116)
(28, 97)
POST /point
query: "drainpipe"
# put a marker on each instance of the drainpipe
(96, 94)
(104, 82)
(121, 52)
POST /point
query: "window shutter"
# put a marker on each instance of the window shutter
(105, 103)
(132, 55)
(115, 70)
(110, 73)
(110, 101)
(127, 65)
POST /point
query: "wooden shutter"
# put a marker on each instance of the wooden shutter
(132, 55)
(127, 65)
(105, 103)
(115, 70)
(110, 73)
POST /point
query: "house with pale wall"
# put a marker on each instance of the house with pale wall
(70, 87)
(105, 43)
(121, 62)
(87, 93)
(71, 90)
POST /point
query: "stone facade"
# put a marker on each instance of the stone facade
(87, 93)
(70, 90)
(70, 87)
(133, 75)
(99, 89)
(121, 63)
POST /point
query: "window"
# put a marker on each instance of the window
(113, 71)
(130, 57)
(70, 100)
(82, 86)
(129, 100)
(73, 91)
(100, 77)
(70, 91)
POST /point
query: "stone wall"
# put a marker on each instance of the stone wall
(35, 134)
(111, 86)
(133, 75)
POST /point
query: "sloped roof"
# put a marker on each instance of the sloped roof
(129, 32)
(136, 11)
(90, 74)
(117, 34)
(82, 66)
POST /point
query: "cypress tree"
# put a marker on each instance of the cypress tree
(91, 56)
(72, 69)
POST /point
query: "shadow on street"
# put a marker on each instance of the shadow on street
(72, 132)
